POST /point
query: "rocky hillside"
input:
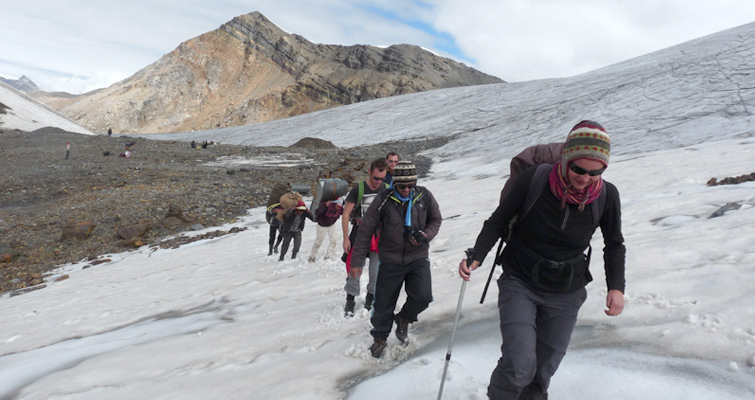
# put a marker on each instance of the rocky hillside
(249, 71)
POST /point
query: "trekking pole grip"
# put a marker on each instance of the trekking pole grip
(470, 256)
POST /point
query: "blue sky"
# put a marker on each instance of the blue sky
(81, 45)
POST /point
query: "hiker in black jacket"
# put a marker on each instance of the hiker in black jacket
(545, 268)
(404, 220)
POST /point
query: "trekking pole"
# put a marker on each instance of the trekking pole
(490, 277)
(456, 322)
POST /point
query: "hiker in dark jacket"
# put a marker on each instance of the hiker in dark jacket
(545, 268)
(291, 227)
(405, 219)
(326, 216)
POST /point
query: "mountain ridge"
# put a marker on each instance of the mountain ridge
(248, 71)
(23, 84)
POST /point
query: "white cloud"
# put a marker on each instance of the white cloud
(524, 40)
(80, 45)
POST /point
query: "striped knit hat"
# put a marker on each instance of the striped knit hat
(588, 140)
(404, 172)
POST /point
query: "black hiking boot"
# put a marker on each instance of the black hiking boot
(378, 347)
(293, 256)
(348, 311)
(402, 328)
(270, 252)
(368, 301)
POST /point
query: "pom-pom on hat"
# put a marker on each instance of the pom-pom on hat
(301, 206)
(588, 139)
(404, 172)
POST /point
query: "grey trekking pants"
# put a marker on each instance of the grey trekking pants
(352, 284)
(536, 329)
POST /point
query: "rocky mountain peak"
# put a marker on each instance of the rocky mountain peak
(249, 70)
(23, 84)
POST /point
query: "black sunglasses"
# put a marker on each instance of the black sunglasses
(581, 171)
(375, 178)
(402, 186)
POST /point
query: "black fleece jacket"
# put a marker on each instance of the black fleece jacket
(553, 232)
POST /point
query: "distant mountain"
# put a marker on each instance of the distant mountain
(23, 84)
(249, 71)
(18, 111)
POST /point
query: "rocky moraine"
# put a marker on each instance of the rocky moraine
(55, 210)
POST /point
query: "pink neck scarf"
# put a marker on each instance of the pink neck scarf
(562, 189)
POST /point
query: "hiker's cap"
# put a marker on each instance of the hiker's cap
(404, 172)
(587, 139)
(301, 206)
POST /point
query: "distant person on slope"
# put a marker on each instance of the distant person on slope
(68, 149)
(545, 268)
(405, 220)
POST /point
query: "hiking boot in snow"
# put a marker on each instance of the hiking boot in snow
(270, 252)
(378, 347)
(402, 328)
(368, 301)
(311, 259)
(293, 256)
(348, 311)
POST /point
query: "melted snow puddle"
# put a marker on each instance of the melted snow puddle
(585, 373)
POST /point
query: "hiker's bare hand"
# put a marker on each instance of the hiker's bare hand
(614, 303)
(465, 271)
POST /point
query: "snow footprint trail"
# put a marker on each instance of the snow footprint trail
(21, 369)
(585, 373)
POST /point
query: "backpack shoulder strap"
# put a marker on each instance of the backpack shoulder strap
(535, 189)
(599, 206)
(537, 184)
(382, 204)
(360, 193)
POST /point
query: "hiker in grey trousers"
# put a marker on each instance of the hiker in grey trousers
(545, 267)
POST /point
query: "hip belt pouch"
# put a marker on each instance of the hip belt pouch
(555, 276)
